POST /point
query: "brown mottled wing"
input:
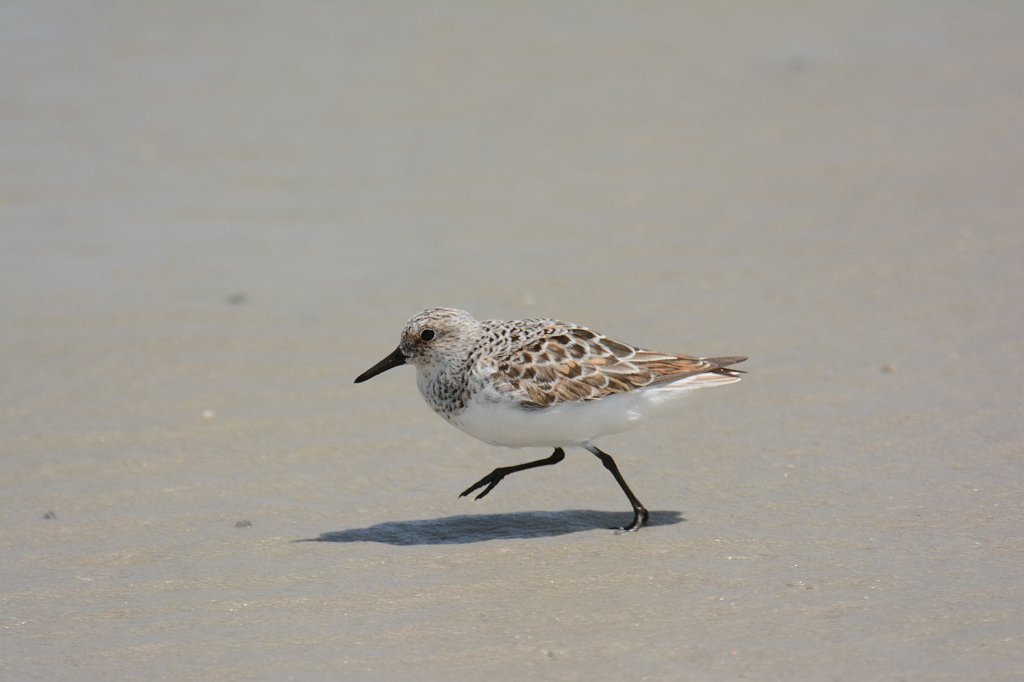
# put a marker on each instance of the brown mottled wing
(569, 364)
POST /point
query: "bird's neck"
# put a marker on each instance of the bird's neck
(446, 387)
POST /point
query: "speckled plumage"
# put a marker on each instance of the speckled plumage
(535, 382)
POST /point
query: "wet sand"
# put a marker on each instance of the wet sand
(212, 218)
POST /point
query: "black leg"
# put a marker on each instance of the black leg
(640, 514)
(494, 478)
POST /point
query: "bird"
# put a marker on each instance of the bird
(543, 383)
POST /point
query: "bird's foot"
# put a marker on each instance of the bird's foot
(490, 480)
(640, 517)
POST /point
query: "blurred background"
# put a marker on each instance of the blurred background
(213, 216)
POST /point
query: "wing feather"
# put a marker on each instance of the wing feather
(564, 363)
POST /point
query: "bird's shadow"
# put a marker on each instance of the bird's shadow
(465, 528)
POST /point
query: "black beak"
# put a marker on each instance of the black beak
(394, 360)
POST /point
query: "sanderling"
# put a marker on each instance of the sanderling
(538, 382)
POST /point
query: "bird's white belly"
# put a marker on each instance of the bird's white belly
(504, 423)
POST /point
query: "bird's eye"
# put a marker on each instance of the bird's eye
(427, 335)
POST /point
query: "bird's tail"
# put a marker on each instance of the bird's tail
(723, 368)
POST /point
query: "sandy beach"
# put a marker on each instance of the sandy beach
(214, 216)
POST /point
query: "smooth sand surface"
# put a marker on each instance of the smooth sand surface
(215, 215)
